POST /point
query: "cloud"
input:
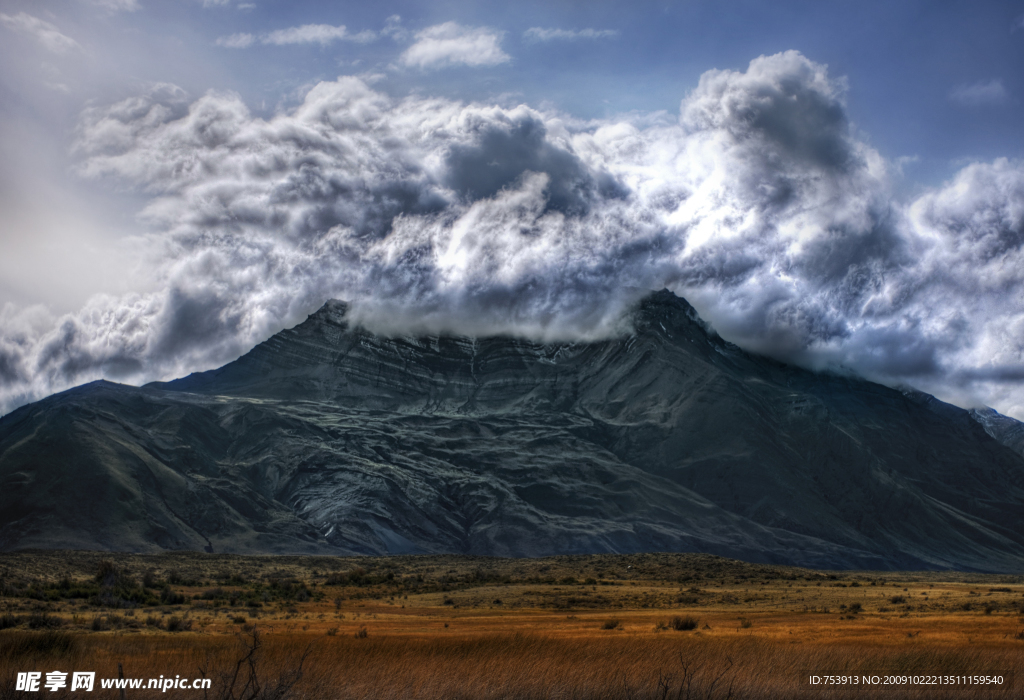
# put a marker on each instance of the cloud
(982, 93)
(451, 44)
(236, 41)
(42, 31)
(116, 5)
(322, 34)
(393, 28)
(759, 204)
(539, 34)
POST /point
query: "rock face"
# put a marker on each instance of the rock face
(327, 438)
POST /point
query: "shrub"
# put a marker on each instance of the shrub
(898, 599)
(177, 624)
(7, 621)
(745, 623)
(214, 594)
(168, 596)
(238, 619)
(361, 633)
(109, 575)
(855, 608)
(44, 622)
(610, 625)
(48, 643)
(681, 624)
(153, 621)
(332, 632)
(99, 624)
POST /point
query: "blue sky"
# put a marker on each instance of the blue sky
(905, 61)
(835, 184)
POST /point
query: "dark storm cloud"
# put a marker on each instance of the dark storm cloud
(503, 152)
(791, 116)
(759, 205)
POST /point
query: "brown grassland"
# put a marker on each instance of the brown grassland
(604, 626)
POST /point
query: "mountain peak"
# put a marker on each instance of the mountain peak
(333, 310)
(329, 438)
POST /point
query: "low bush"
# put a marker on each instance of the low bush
(683, 623)
(44, 621)
(49, 643)
(177, 624)
(168, 596)
(7, 621)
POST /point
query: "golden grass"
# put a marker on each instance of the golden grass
(436, 629)
(628, 664)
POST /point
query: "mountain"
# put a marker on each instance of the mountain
(327, 438)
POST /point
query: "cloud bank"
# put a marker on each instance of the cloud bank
(758, 204)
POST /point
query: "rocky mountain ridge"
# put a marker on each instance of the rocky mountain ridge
(327, 438)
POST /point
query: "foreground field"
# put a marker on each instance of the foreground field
(622, 626)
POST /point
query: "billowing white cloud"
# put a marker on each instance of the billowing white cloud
(42, 31)
(986, 92)
(759, 205)
(322, 34)
(452, 44)
(537, 34)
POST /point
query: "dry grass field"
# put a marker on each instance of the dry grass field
(605, 626)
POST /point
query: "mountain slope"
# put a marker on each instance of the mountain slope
(328, 438)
